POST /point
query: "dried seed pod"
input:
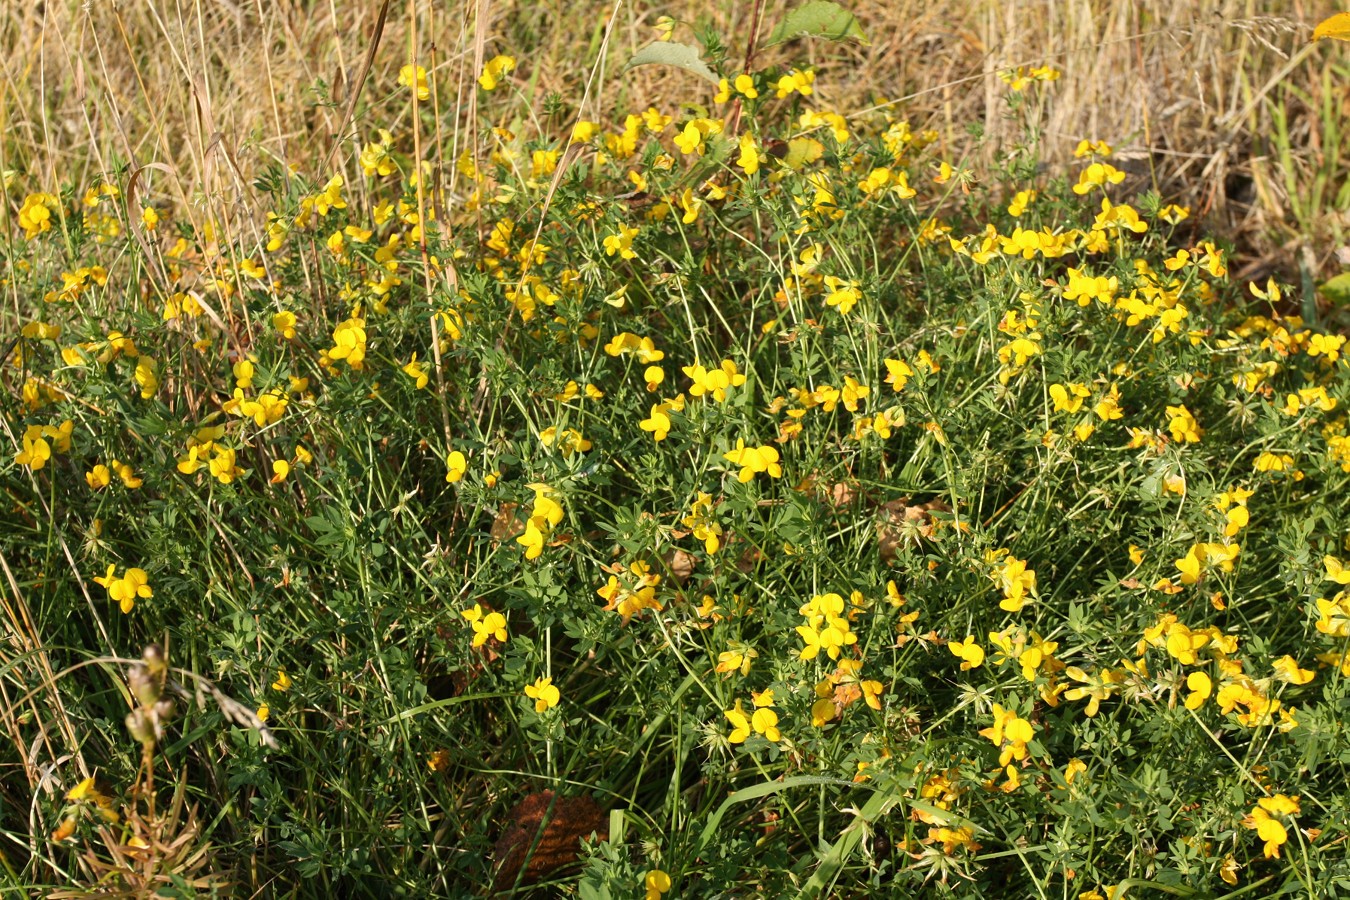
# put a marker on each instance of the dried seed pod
(141, 724)
(154, 660)
(144, 686)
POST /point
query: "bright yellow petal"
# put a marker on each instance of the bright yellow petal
(1338, 27)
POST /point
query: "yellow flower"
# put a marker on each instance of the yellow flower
(655, 883)
(544, 694)
(1068, 398)
(545, 516)
(621, 243)
(284, 323)
(700, 522)
(1183, 425)
(415, 371)
(1108, 408)
(125, 590)
(569, 440)
(1200, 687)
(658, 423)
(127, 474)
(1287, 669)
(843, 295)
(455, 465)
(99, 477)
(970, 653)
(1097, 175)
(714, 382)
(764, 720)
(736, 659)
(1016, 580)
(740, 724)
(1010, 733)
(1336, 570)
(486, 624)
(1097, 687)
(1262, 819)
(796, 80)
(411, 75)
(493, 72)
(222, 465)
(283, 682)
(1273, 462)
(749, 159)
(754, 460)
(35, 216)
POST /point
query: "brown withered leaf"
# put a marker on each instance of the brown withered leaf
(509, 523)
(748, 559)
(836, 494)
(900, 520)
(558, 823)
(680, 563)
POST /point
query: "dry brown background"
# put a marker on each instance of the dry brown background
(1222, 105)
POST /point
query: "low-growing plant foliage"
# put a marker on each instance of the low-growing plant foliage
(794, 509)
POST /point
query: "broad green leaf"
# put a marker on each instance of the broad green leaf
(1337, 289)
(818, 18)
(1338, 27)
(669, 53)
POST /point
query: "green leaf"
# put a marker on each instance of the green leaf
(1337, 289)
(837, 855)
(669, 53)
(754, 792)
(818, 18)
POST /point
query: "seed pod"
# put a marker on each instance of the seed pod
(165, 710)
(140, 722)
(144, 686)
(154, 660)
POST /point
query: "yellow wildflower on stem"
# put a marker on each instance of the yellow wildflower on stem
(754, 460)
(486, 624)
(495, 70)
(544, 694)
(126, 589)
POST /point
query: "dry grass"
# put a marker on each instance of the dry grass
(216, 91)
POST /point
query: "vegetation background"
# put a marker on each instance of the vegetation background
(1214, 104)
(354, 592)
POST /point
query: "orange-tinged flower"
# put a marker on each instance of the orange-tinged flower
(1287, 669)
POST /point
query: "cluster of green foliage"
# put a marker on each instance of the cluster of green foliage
(841, 519)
